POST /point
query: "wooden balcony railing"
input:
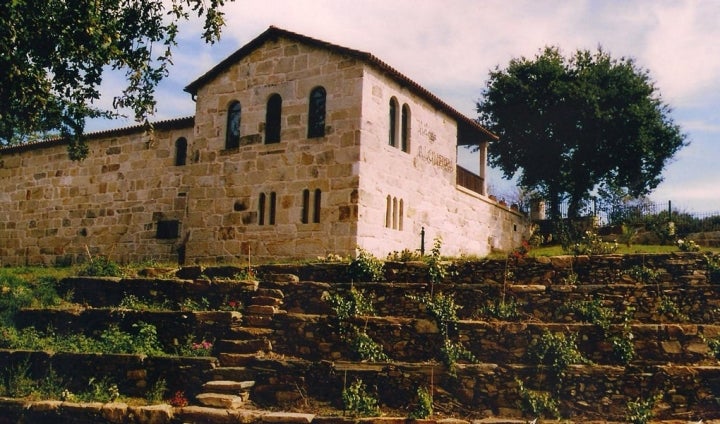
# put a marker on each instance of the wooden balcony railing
(469, 180)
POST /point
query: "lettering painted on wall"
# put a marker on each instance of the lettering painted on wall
(436, 159)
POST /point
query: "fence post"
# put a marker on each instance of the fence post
(422, 241)
(669, 210)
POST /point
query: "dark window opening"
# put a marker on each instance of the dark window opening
(169, 229)
(272, 208)
(273, 119)
(261, 209)
(393, 122)
(316, 206)
(232, 135)
(180, 151)
(316, 113)
(305, 206)
(405, 129)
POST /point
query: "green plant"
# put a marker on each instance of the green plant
(100, 266)
(714, 346)
(506, 311)
(591, 311)
(424, 407)
(190, 348)
(623, 348)
(452, 352)
(687, 245)
(194, 305)
(593, 244)
(713, 268)
(670, 309)
(364, 346)
(557, 352)
(366, 267)
(16, 381)
(405, 255)
(644, 274)
(442, 308)
(437, 269)
(178, 399)
(132, 302)
(640, 411)
(537, 404)
(156, 393)
(356, 304)
(358, 401)
(99, 390)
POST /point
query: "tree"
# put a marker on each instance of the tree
(53, 54)
(572, 127)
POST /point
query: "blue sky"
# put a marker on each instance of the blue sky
(449, 47)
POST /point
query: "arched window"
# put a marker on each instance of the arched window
(316, 113)
(180, 151)
(261, 209)
(232, 132)
(392, 140)
(405, 128)
(400, 220)
(305, 206)
(316, 206)
(395, 213)
(273, 116)
(388, 212)
(273, 201)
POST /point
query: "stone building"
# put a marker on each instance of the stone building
(299, 148)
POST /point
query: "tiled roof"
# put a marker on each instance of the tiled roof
(160, 125)
(274, 33)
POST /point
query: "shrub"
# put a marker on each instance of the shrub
(358, 401)
(640, 411)
(557, 352)
(356, 304)
(537, 403)
(100, 266)
(156, 393)
(364, 346)
(593, 244)
(506, 311)
(424, 407)
(366, 267)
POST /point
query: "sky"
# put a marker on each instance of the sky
(450, 46)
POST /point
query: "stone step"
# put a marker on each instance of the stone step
(231, 374)
(245, 333)
(222, 400)
(265, 301)
(263, 321)
(229, 387)
(275, 293)
(243, 346)
(236, 359)
(261, 310)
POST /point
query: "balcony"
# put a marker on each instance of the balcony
(469, 180)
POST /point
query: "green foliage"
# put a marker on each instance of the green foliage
(591, 311)
(714, 346)
(16, 381)
(156, 393)
(687, 245)
(366, 267)
(537, 403)
(357, 304)
(191, 348)
(18, 292)
(452, 352)
(623, 348)
(644, 274)
(53, 70)
(570, 140)
(713, 268)
(437, 269)
(669, 308)
(358, 401)
(100, 266)
(364, 346)
(99, 390)
(405, 255)
(592, 244)
(424, 407)
(500, 310)
(134, 303)
(557, 352)
(194, 305)
(640, 411)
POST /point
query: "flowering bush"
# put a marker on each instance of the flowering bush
(688, 246)
(521, 251)
(190, 348)
(178, 400)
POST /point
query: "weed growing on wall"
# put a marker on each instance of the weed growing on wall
(537, 404)
(713, 268)
(366, 267)
(357, 304)
(156, 393)
(556, 352)
(100, 266)
(437, 269)
(500, 310)
(358, 401)
(424, 406)
(640, 411)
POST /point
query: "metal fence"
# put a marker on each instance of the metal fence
(648, 214)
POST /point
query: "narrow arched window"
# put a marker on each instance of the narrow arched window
(400, 219)
(316, 113)
(305, 206)
(388, 212)
(405, 128)
(273, 118)
(261, 209)
(392, 140)
(180, 151)
(232, 132)
(316, 206)
(273, 201)
(395, 213)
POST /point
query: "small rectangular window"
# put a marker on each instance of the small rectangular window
(169, 229)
